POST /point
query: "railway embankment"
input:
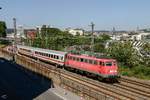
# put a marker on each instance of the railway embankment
(89, 89)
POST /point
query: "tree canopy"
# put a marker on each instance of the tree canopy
(2, 29)
(124, 52)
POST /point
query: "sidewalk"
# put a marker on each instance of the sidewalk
(59, 92)
(64, 94)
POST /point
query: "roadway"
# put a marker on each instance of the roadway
(16, 84)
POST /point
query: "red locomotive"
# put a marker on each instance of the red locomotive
(104, 68)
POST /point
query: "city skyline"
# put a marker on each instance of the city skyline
(105, 14)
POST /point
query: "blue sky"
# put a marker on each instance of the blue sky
(121, 14)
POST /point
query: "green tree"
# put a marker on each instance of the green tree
(2, 29)
(99, 47)
(125, 53)
(105, 37)
(146, 54)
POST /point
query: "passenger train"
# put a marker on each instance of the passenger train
(102, 68)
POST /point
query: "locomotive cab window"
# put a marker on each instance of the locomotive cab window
(108, 63)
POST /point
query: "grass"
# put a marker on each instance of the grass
(2, 45)
(140, 71)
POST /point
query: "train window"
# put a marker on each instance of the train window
(91, 61)
(114, 63)
(51, 56)
(74, 58)
(54, 56)
(77, 59)
(100, 63)
(61, 58)
(86, 60)
(95, 62)
(57, 57)
(70, 58)
(103, 64)
(81, 59)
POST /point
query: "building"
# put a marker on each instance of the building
(76, 31)
(20, 32)
(140, 36)
(10, 33)
(30, 33)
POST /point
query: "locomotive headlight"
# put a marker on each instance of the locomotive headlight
(111, 71)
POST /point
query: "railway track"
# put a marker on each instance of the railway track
(135, 81)
(115, 90)
(141, 88)
(125, 90)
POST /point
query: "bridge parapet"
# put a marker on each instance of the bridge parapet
(5, 54)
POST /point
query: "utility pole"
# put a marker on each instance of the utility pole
(15, 30)
(45, 35)
(92, 41)
(114, 32)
